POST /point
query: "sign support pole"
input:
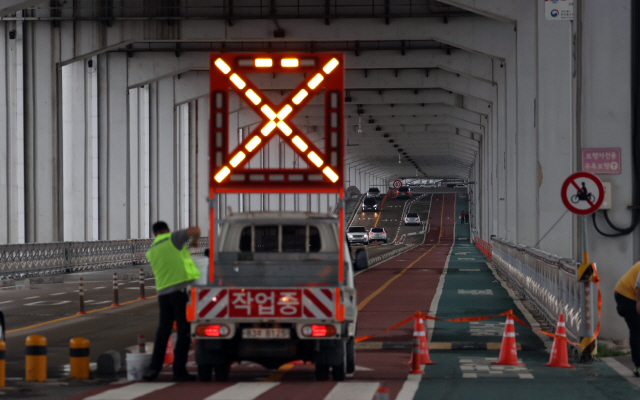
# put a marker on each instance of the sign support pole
(588, 344)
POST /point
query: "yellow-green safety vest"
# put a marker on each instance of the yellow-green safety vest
(171, 266)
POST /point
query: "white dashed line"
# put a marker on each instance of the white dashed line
(57, 294)
(32, 297)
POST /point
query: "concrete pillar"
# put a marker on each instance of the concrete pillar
(79, 145)
(114, 166)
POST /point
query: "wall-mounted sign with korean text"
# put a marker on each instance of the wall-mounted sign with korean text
(558, 10)
(601, 161)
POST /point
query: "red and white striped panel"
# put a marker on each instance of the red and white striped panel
(318, 303)
(213, 303)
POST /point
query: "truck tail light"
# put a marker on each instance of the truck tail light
(212, 330)
(318, 330)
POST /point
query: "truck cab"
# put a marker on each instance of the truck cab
(276, 296)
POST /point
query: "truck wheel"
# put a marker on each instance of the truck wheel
(204, 373)
(222, 372)
(351, 356)
(322, 372)
(339, 372)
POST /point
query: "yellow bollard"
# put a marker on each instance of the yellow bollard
(79, 358)
(35, 365)
(3, 365)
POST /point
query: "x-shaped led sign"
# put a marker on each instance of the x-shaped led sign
(228, 70)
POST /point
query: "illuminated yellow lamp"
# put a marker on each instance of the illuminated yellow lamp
(237, 159)
(266, 110)
(253, 143)
(315, 159)
(315, 81)
(289, 62)
(255, 99)
(264, 62)
(222, 174)
(300, 96)
(237, 81)
(284, 112)
(300, 143)
(268, 128)
(330, 174)
(285, 128)
(222, 66)
(330, 66)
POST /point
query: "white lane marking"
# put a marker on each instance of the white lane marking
(622, 370)
(353, 391)
(476, 292)
(57, 294)
(48, 303)
(460, 254)
(104, 302)
(131, 392)
(6, 301)
(410, 386)
(100, 287)
(32, 297)
(243, 390)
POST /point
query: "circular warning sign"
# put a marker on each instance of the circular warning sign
(397, 184)
(582, 193)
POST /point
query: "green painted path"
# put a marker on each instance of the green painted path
(465, 372)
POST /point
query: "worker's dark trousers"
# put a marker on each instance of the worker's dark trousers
(172, 308)
(627, 310)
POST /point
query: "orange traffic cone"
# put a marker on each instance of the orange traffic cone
(416, 357)
(168, 354)
(508, 351)
(559, 357)
(420, 331)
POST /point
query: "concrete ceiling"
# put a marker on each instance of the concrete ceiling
(414, 107)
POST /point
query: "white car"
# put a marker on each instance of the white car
(376, 234)
(412, 219)
(357, 234)
(373, 192)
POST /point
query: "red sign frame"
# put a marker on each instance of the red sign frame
(566, 199)
(399, 182)
(232, 73)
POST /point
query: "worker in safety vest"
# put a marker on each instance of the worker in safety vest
(174, 271)
(627, 295)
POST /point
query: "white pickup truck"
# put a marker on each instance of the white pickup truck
(277, 296)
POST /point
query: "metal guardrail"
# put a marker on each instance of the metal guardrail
(18, 261)
(549, 282)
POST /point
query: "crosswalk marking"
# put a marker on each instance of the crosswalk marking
(131, 392)
(353, 391)
(243, 390)
(475, 292)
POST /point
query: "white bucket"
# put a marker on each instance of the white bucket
(136, 364)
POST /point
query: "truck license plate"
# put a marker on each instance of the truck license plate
(265, 333)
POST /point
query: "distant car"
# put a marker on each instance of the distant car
(373, 192)
(376, 234)
(357, 234)
(404, 191)
(412, 219)
(370, 204)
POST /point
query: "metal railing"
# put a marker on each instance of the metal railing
(18, 261)
(549, 282)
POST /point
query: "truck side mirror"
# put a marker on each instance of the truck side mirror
(361, 261)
